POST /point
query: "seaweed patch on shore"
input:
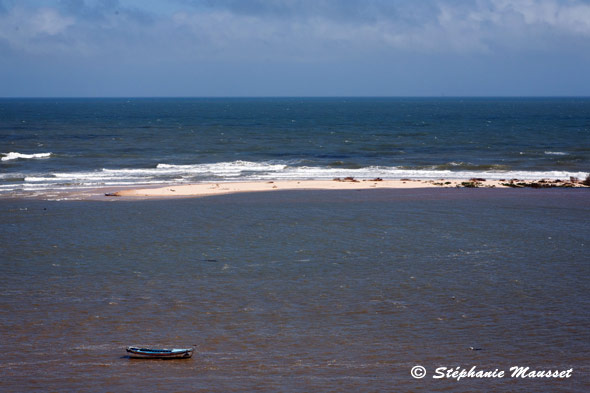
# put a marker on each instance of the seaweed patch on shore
(475, 183)
(573, 182)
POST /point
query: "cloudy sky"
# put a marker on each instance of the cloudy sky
(294, 47)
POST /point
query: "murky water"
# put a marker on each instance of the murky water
(297, 291)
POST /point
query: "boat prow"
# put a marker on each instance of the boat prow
(150, 353)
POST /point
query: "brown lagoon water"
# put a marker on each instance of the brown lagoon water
(297, 291)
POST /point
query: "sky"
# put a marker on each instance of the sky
(221, 48)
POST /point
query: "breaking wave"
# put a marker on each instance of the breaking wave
(461, 166)
(15, 156)
(259, 171)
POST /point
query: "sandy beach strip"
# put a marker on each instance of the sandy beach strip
(207, 189)
(196, 190)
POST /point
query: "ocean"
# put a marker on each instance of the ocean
(81, 143)
(294, 291)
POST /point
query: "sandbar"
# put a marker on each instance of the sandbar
(208, 189)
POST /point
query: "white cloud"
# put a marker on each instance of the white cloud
(34, 30)
(302, 30)
(477, 27)
(567, 16)
(48, 21)
(428, 46)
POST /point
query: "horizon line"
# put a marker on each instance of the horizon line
(291, 96)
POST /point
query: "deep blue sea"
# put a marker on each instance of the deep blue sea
(79, 143)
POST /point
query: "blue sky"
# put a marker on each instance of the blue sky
(294, 48)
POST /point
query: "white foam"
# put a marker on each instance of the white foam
(15, 156)
(233, 168)
(319, 173)
(256, 171)
(14, 175)
(556, 153)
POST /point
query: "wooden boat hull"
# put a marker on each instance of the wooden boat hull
(149, 353)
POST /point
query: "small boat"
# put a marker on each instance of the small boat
(150, 353)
